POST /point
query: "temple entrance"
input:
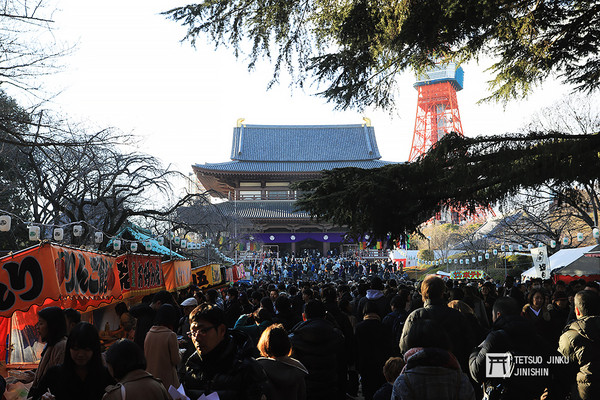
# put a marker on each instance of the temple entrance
(308, 247)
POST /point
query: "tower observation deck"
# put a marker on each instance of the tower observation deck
(437, 107)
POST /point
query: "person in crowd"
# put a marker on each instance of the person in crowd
(395, 320)
(223, 360)
(375, 294)
(482, 307)
(536, 310)
(161, 347)
(510, 333)
(580, 343)
(72, 318)
(478, 331)
(374, 345)
(127, 365)
(286, 374)
(188, 306)
(391, 370)
(284, 314)
(318, 345)
(233, 307)
(432, 372)
(254, 324)
(455, 324)
(559, 312)
(52, 328)
(82, 375)
(145, 314)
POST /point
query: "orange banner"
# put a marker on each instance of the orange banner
(139, 274)
(177, 274)
(78, 278)
(207, 275)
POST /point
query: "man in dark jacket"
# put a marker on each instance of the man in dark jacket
(510, 333)
(580, 343)
(318, 345)
(452, 321)
(223, 360)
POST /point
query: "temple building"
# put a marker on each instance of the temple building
(266, 159)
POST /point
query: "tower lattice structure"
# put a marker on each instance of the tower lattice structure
(437, 107)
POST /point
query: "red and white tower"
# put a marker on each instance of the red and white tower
(437, 107)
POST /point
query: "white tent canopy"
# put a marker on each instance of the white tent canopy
(560, 259)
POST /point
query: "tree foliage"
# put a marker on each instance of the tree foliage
(462, 172)
(356, 48)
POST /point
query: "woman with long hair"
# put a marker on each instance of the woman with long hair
(82, 375)
(127, 364)
(285, 373)
(161, 348)
(52, 329)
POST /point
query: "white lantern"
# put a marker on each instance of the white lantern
(99, 237)
(34, 233)
(190, 245)
(487, 256)
(134, 247)
(595, 232)
(77, 230)
(473, 259)
(5, 221)
(553, 243)
(160, 240)
(117, 244)
(148, 245)
(183, 243)
(467, 261)
(495, 252)
(580, 237)
(479, 258)
(540, 244)
(565, 240)
(58, 234)
(520, 247)
(455, 260)
(510, 248)
(502, 248)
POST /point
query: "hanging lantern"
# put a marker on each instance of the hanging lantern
(520, 247)
(116, 244)
(553, 243)
(5, 221)
(495, 252)
(58, 234)
(99, 237)
(487, 256)
(467, 261)
(176, 240)
(77, 230)
(134, 247)
(480, 258)
(510, 248)
(540, 244)
(565, 241)
(580, 237)
(160, 240)
(148, 245)
(191, 245)
(595, 231)
(34, 233)
(473, 260)
(183, 243)
(502, 248)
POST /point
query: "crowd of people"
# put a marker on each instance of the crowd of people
(373, 336)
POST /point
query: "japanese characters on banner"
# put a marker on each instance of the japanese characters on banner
(48, 271)
(238, 272)
(139, 274)
(207, 275)
(177, 274)
(468, 274)
(541, 262)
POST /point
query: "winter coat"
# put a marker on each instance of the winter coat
(318, 345)
(517, 335)
(137, 385)
(452, 321)
(580, 343)
(377, 297)
(228, 369)
(162, 355)
(541, 321)
(432, 374)
(65, 384)
(374, 345)
(286, 376)
(395, 321)
(51, 356)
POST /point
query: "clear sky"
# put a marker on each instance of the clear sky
(131, 71)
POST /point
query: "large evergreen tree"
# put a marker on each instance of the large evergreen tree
(356, 48)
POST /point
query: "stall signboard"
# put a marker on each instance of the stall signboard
(468, 274)
(48, 271)
(139, 274)
(207, 275)
(177, 274)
